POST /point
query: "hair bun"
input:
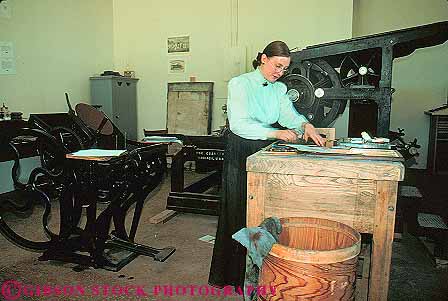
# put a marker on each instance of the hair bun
(255, 64)
(257, 61)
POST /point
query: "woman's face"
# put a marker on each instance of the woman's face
(273, 67)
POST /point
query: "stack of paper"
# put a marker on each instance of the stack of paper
(162, 139)
(95, 152)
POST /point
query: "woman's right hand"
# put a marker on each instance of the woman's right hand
(286, 135)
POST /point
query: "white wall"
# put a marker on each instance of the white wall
(58, 44)
(299, 24)
(225, 36)
(420, 79)
(140, 42)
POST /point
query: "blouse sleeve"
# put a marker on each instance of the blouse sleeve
(289, 117)
(238, 112)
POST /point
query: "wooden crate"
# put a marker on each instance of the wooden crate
(189, 108)
(361, 193)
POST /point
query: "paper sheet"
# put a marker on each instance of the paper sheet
(7, 59)
(94, 152)
(162, 139)
(5, 9)
(208, 238)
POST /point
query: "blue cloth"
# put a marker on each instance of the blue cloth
(258, 242)
(254, 104)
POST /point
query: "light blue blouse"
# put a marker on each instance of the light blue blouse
(252, 107)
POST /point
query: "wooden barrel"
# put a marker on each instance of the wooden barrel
(315, 259)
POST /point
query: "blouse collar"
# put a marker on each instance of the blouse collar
(259, 78)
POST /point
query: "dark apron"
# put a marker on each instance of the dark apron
(229, 257)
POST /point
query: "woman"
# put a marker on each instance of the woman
(255, 101)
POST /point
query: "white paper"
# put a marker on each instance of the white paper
(6, 50)
(7, 66)
(95, 152)
(7, 60)
(309, 148)
(162, 139)
(208, 238)
(5, 9)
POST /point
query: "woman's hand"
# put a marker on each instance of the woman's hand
(310, 132)
(286, 135)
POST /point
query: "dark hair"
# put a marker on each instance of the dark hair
(276, 48)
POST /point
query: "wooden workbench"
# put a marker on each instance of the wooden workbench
(361, 193)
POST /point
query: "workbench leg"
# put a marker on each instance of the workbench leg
(383, 235)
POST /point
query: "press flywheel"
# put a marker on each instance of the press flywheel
(361, 69)
(305, 82)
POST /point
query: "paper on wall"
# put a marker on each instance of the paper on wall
(5, 9)
(7, 59)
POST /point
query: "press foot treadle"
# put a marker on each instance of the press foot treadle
(158, 254)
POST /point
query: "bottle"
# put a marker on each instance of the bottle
(5, 111)
(2, 112)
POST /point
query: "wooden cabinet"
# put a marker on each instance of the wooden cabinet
(117, 96)
(190, 108)
(361, 193)
(437, 162)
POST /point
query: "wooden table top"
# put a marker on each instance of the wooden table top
(358, 164)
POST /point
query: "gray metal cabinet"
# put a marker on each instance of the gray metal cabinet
(117, 97)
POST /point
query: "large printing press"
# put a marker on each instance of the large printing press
(320, 81)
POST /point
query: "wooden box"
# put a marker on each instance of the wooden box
(190, 108)
(359, 192)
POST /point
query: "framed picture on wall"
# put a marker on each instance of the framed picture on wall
(179, 44)
(176, 66)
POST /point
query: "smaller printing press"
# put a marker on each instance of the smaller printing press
(94, 193)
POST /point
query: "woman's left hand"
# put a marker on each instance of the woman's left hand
(310, 132)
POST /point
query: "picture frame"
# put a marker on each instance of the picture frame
(178, 44)
(176, 66)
